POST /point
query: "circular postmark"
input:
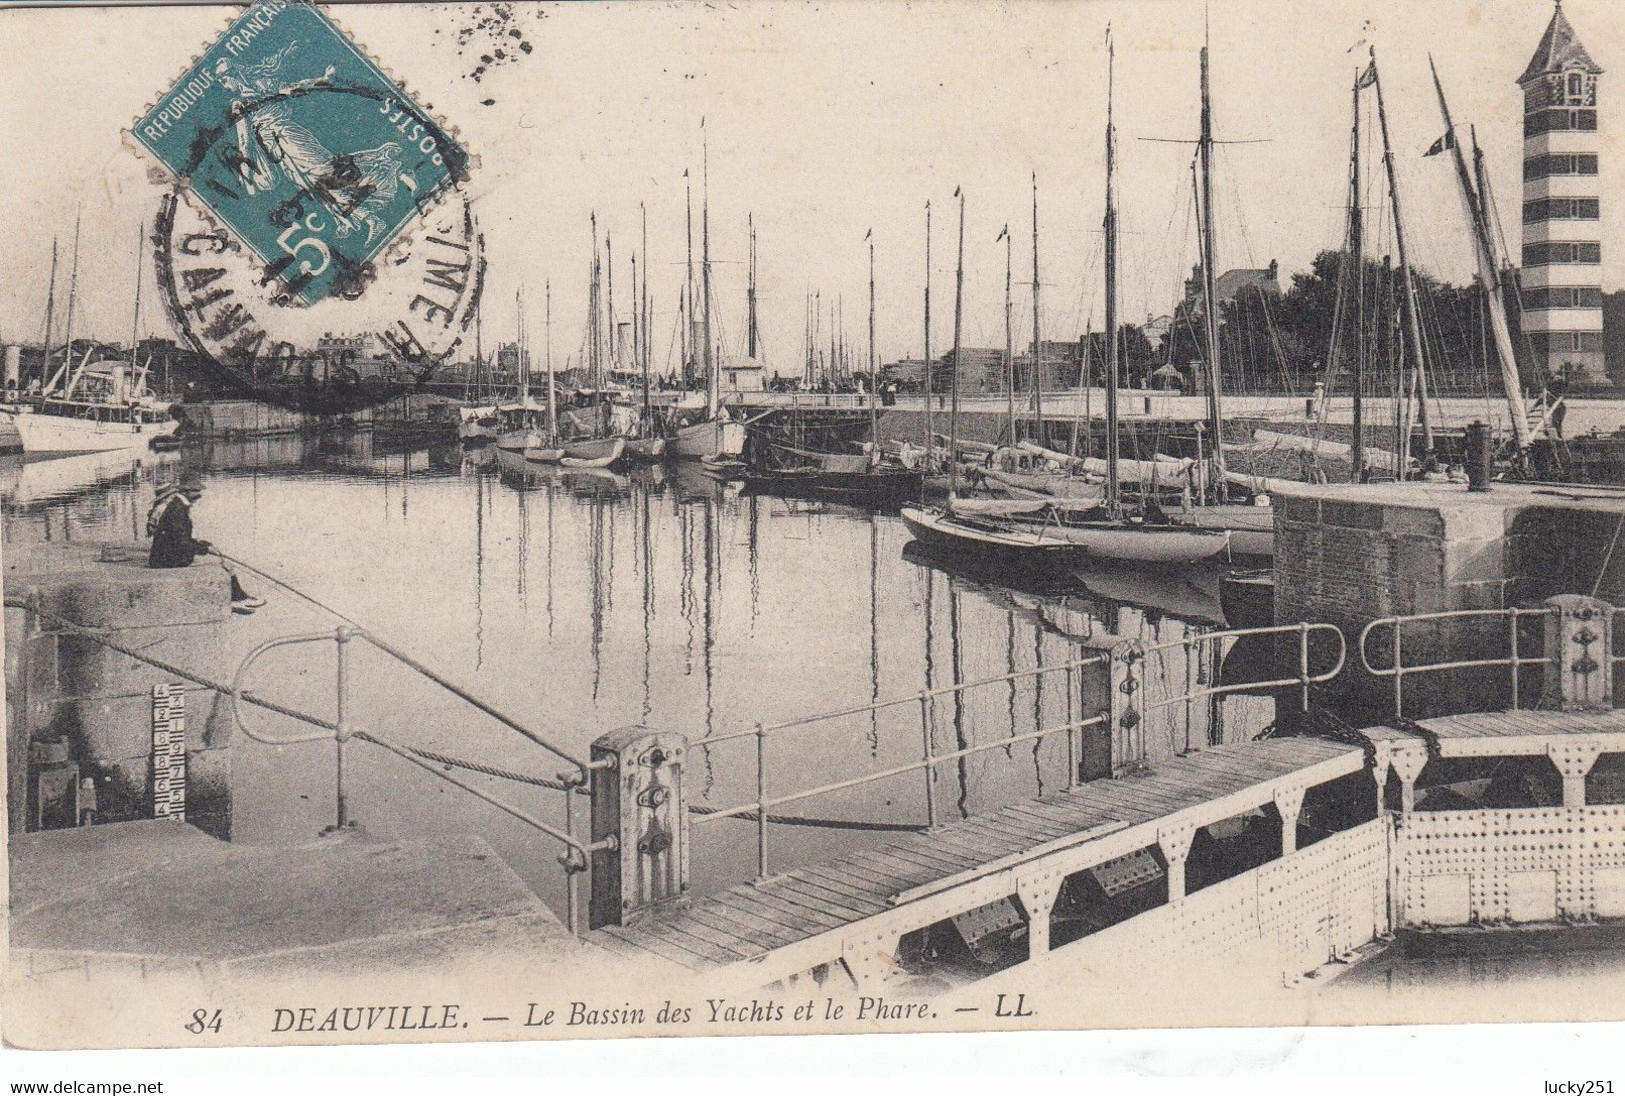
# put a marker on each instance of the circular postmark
(317, 247)
(405, 320)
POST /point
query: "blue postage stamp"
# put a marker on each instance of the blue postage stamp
(302, 147)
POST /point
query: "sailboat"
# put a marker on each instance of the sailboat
(645, 442)
(477, 421)
(518, 421)
(1109, 530)
(104, 406)
(718, 437)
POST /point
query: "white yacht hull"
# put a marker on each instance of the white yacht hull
(43, 433)
(709, 440)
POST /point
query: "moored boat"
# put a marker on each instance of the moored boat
(1248, 598)
(599, 453)
(993, 541)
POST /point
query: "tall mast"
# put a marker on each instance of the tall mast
(1490, 272)
(930, 436)
(1215, 398)
(643, 346)
(1113, 494)
(73, 299)
(472, 390)
(750, 292)
(524, 359)
(959, 308)
(712, 389)
(874, 372)
(688, 284)
(1357, 260)
(552, 392)
(135, 321)
(1038, 353)
(1413, 325)
(609, 277)
(50, 319)
(594, 349)
(1009, 340)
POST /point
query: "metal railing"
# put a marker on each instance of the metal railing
(341, 729)
(929, 760)
(1514, 660)
(1303, 680)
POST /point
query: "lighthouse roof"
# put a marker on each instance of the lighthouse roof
(1559, 50)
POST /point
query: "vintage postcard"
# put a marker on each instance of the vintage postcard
(466, 578)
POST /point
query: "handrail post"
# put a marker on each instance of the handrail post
(1190, 690)
(341, 639)
(1399, 670)
(1512, 643)
(1303, 664)
(930, 774)
(761, 802)
(572, 888)
(1072, 729)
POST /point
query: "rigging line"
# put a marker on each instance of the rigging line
(1608, 556)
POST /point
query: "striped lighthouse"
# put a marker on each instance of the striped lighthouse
(1562, 238)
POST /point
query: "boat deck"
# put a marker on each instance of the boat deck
(750, 921)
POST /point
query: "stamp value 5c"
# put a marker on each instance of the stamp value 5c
(308, 153)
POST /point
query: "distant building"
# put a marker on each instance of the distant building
(1232, 282)
(1561, 279)
(743, 375)
(347, 349)
(1156, 330)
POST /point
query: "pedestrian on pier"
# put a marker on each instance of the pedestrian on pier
(169, 524)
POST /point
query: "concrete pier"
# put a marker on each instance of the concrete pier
(75, 703)
(1349, 554)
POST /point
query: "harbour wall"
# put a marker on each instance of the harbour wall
(1351, 554)
(72, 701)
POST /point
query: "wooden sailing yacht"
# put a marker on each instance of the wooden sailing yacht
(717, 436)
(1105, 531)
(645, 442)
(105, 405)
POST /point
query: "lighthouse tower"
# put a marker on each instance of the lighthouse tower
(1562, 248)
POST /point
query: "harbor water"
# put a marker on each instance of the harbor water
(582, 602)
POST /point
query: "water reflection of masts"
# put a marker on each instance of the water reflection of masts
(753, 542)
(712, 533)
(524, 544)
(551, 490)
(479, 573)
(646, 557)
(930, 682)
(1038, 707)
(961, 744)
(874, 626)
(595, 544)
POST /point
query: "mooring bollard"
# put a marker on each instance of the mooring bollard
(1110, 688)
(639, 800)
(1579, 654)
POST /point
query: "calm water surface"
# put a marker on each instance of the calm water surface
(580, 602)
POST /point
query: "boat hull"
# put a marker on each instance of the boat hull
(592, 449)
(517, 441)
(940, 534)
(1131, 543)
(1248, 598)
(1251, 528)
(604, 459)
(713, 439)
(43, 433)
(646, 449)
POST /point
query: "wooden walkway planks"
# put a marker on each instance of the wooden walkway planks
(752, 919)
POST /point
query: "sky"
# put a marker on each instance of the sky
(825, 121)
